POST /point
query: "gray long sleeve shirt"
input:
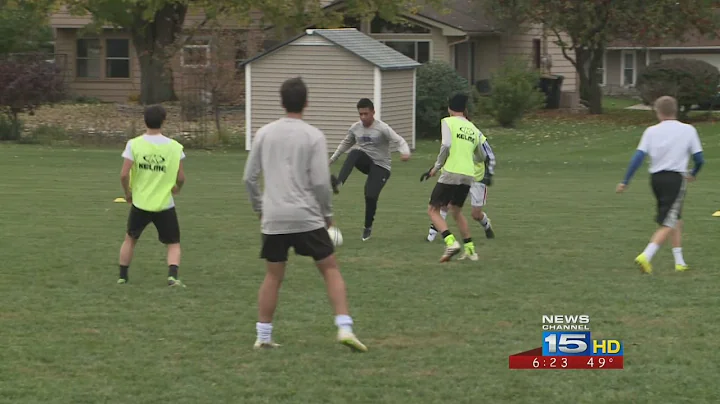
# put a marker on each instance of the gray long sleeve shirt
(292, 157)
(374, 140)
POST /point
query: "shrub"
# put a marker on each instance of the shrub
(26, 82)
(513, 93)
(689, 81)
(10, 129)
(436, 81)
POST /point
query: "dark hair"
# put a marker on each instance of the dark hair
(293, 93)
(365, 103)
(155, 116)
(458, 102)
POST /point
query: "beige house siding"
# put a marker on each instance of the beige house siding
(560, 65)
(487, 56)
(63, 19)
(335, 77)
(397, 102)
(116, 90)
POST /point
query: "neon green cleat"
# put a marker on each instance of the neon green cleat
(350, 340)
(121, 281)
(681, 268)
(175, 282)
(642, 262)
(265, 345)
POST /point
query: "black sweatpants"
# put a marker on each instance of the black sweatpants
(377, 177)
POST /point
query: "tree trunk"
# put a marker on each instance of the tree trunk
(588, 62)
(155, 43)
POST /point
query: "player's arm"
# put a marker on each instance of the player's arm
(320, 178)
(444, 148)
(128, 161)
(251, 177)
(399, 142)
(180, 181)
(487, 155)
(697, 154)
(637, 159)
(344, 146)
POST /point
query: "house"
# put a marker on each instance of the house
(105, 65)
(623, 60)
(340, 66)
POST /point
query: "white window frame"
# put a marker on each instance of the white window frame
(207, 54)
(416, 41)
(623, 67)
(604, 70)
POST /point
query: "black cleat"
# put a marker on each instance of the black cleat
(366, 234)
(489, 233)
(334, 182)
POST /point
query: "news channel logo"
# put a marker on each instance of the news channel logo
(567, 343)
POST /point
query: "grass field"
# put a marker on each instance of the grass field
(437, 333)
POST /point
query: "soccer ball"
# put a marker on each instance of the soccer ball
(335, 236)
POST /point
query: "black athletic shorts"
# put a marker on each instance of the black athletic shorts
(165, 221)
(669, 190)
(377, 176)
(447, 194)
(315, 244)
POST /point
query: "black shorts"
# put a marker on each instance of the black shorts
(669, 190)
(165, 221)
(315, 244)
(447, 194)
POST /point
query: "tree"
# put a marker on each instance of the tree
(24, 26)
(584, 28)
(156, 25)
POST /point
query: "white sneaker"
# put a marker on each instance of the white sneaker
(265, 345)
(431, 236)
(451, 251)
(349, 339)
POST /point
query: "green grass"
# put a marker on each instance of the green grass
(614, 102)
(436, 333)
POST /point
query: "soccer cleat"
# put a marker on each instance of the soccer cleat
(451, 251)
(681, 267)
(122, 281)
(175, 282)
(642, 262)
(367, 232)
(469, 253)
(265, 345)
(431, 236)
(489, 233)
(349, 339)
(335, 184)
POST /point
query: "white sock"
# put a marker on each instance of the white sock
(344, 322)
(485, 221)
(443, 213)
(264, 331)
(650, 250)
(677, 253)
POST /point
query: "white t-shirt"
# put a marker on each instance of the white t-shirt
(669, 145)
(154, 139)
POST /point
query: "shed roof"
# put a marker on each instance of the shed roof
(356, 42)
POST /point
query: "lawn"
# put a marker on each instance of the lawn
(437, 333)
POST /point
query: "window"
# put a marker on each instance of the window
(380, 26)
(117, 58)
(88, 58)
(196, 53)
(629, 68)
(601, 71)
(537, 53)
(416, 50)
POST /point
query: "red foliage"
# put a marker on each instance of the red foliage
(28, 81)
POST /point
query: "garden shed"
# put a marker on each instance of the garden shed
(339, 66)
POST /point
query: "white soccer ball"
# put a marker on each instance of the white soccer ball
(335, 236)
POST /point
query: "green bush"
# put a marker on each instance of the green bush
(436, 81)
(10, 129)
(689, 81)
(513, 93)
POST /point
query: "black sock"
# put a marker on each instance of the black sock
(446, 233)
(124, 272)
(467, 240)
(172, 271)
(370, 208)
(432, 227)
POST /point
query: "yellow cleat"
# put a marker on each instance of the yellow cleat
(681, 268)
(265, 345)
(350, 340)
(642, 262)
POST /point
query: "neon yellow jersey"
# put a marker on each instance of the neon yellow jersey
(154, 173)
(480, 166)
(464, 140)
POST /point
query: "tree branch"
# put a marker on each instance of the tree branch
(564, 49)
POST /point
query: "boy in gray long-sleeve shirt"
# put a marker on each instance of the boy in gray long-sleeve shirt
(373, 138)
(295, 209)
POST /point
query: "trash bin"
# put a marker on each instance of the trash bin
(551, 86)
